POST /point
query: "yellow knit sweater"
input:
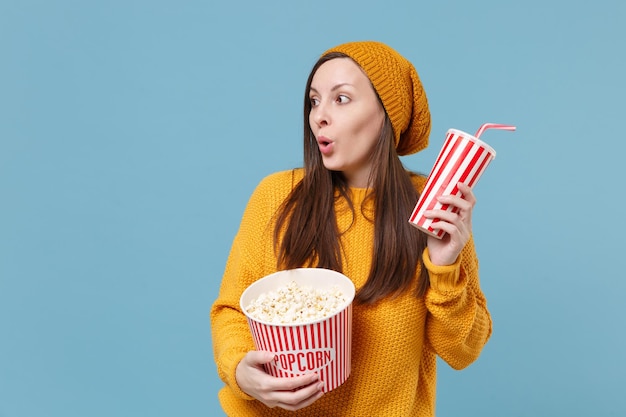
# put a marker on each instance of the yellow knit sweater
(395, 342)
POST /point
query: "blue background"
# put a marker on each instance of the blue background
(133, 132)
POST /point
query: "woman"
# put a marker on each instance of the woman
(347, 210)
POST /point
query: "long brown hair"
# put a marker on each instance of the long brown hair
(306, 219)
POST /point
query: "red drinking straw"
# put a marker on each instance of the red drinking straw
(493, 126)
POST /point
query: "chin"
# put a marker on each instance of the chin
(332, 167)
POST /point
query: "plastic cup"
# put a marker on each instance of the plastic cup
(322, 346)
(463, 158)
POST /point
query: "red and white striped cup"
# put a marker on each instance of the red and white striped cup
(463, 158)
(323, 346)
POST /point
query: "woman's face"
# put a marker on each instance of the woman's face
(346, 118)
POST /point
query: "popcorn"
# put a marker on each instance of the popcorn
(292, 304)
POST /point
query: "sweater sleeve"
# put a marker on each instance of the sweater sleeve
(251, 257)
(458, 324)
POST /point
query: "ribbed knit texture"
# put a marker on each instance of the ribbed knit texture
(395, 342)
(399, 87)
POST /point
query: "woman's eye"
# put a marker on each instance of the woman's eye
(314, 101)
(343, 99)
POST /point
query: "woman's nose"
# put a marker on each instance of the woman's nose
(320, 115)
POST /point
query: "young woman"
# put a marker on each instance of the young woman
(418, 297)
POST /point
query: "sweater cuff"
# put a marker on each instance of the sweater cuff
(443, 278)
(235, 358)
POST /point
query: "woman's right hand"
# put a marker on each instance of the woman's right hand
(288, 393)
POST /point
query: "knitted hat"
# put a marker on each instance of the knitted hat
(396, 81)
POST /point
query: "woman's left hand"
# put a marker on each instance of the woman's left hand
(458, 226)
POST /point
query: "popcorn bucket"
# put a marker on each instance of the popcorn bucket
(321, 346)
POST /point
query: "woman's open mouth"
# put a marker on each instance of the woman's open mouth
(325, 144)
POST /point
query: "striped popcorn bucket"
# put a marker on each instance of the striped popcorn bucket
(322, 346)
(463, 158)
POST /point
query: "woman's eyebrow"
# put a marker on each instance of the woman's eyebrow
(335, 87)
